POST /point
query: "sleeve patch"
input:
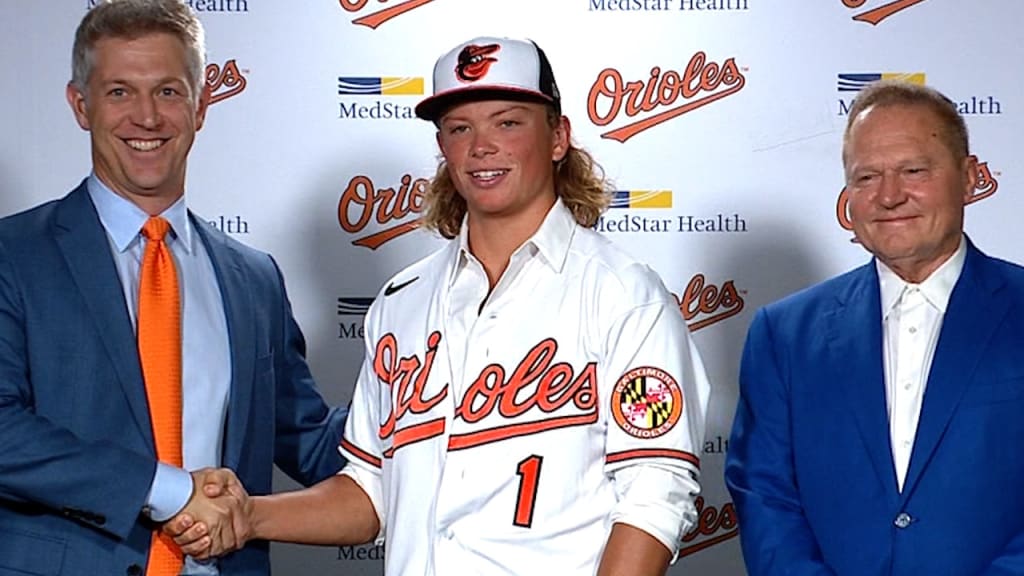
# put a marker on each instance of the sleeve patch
(646, 402)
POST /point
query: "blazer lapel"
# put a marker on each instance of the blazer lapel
(238, 309)
(975, 310)
(854, 336)
(82, 240)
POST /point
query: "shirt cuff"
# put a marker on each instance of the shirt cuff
(370, 484)
(170, 492)
(657, 500)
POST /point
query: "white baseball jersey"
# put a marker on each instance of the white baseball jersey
(493, 432)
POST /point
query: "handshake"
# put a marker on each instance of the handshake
(221, 516)
(216, 520)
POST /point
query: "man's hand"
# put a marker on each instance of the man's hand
(216, 519)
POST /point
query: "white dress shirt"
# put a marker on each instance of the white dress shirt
(206, 357)
(912, 319)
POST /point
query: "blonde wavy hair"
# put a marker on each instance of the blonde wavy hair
(579, 181)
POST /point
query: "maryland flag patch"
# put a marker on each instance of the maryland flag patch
(646, 402)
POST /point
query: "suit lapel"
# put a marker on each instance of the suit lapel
(856, 355)
(86, 250)
(238, 310)
(975, 310)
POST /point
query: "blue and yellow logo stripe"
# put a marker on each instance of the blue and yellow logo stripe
(354, 306)
(380, 86)
(857, 82)
(642, 199)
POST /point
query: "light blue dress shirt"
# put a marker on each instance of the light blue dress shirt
(206, 357)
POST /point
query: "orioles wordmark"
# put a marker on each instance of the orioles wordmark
(713, 302)
(381, 16)
(699, 85)
(549, 386)
(228, 77)
(361, 202)
(876, 15)
(714, 526)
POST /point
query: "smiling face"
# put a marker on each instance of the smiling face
(142, 115)
(907, 188)
(499, 155)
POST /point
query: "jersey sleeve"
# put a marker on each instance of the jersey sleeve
(657, 389)
(656, 394)
(360, 443)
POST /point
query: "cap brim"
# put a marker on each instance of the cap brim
(434, 107)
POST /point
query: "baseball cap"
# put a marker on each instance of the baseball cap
(490, 68)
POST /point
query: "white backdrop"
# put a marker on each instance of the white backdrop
(743, 145)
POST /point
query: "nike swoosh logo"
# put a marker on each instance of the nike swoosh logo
(392, 287)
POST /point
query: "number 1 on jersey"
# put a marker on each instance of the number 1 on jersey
(529, 475)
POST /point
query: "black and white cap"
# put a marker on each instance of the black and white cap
(489, 68)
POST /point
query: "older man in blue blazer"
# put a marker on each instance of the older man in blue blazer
(81, 490)
(881, 413)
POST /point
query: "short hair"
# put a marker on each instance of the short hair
(579, 181)
(901, 93)
(131, 19)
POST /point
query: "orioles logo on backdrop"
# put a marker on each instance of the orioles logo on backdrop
(374, 19)
(714, 526)
(705, 304)
(392, 211)
(475, 61)
(646, 402)
(224, 81)
(875, 15)
(986, 186)
(663, 96)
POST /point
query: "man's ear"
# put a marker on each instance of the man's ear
(79, 107)
(440, 144)
(561, 136)
(970, 169)
(205, 95)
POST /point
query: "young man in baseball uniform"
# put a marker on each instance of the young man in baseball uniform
(531, 401)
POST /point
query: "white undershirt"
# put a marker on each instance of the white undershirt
(912, 319)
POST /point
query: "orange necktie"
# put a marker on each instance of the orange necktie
(159, 334)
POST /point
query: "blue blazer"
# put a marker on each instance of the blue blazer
(76, 446)
(809, 463)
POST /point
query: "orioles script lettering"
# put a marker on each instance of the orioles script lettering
(229, 77)
(361, 202)
(714, 303)
(876, 15)
(555, 386)
(536, 384)
(409, 375)
(713, 524)
(700, 84)
(377, 18)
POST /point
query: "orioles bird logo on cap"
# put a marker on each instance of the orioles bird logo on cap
(475, 61)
